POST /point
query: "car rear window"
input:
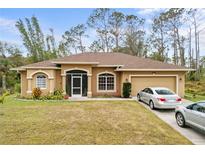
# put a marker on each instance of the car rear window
(164, 92)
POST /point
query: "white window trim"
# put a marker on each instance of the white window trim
(98, 90)
(40, 72)
(45, 78)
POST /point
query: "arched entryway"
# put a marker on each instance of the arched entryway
(76, 83)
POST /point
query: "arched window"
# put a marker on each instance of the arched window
(106, 82)
(41, 81)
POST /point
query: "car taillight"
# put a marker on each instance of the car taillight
(179, 99)
(162, 99)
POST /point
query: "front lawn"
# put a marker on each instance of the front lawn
(100, 122)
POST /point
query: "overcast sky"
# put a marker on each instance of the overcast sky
(62, 19)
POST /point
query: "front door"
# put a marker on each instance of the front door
(76, 86)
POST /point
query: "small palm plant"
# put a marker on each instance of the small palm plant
(126, 89)
(3, 97)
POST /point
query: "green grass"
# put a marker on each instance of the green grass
(195, 90)
(194, 98)
(100, 122)
(195, 87)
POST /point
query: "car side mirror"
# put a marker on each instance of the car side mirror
(190, 107)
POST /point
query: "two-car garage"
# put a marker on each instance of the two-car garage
(139, 82)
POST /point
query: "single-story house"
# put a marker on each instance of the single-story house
(98, 74)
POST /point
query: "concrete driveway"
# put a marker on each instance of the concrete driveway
(168, 116)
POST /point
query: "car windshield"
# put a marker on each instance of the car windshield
(200, 107)
(202, 104)
(164, 92)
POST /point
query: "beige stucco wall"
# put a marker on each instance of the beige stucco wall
(44, 91)
(181, 78)
(48, 72)
(50, 79)
(56, 79)
(67, 67)
(95, 72)
(92, 72)
(84, 67)
(23, 83)
(28, 81)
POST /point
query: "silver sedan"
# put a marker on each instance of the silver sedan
(191, 114)
(159, 97)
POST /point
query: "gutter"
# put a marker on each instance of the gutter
(25, 68)
(110, 66)
(174, 70)
(17, 69)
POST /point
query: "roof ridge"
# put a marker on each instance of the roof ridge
(161, 62)
(109, 58)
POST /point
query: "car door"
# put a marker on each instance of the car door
(201, 114)
(149, 94)
(143, 94)
(202, 120)
(193, 116)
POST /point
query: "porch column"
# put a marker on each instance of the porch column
(21, 84)
(89, 92)
(29, 88)
(64, 83)
(51, 83)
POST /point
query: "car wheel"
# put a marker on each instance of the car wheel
(180, 119)
(138, 97)
(151, 105)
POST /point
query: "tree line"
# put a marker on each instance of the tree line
(115, 32)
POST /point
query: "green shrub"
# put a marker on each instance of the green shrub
(202, 93)
(43, 98)
(17, 87)
(56, 95)
(190, 76)
(58, 92)
(188, 97)
(126, 89)
(3, 91)
(36, 93)
(3, 96)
